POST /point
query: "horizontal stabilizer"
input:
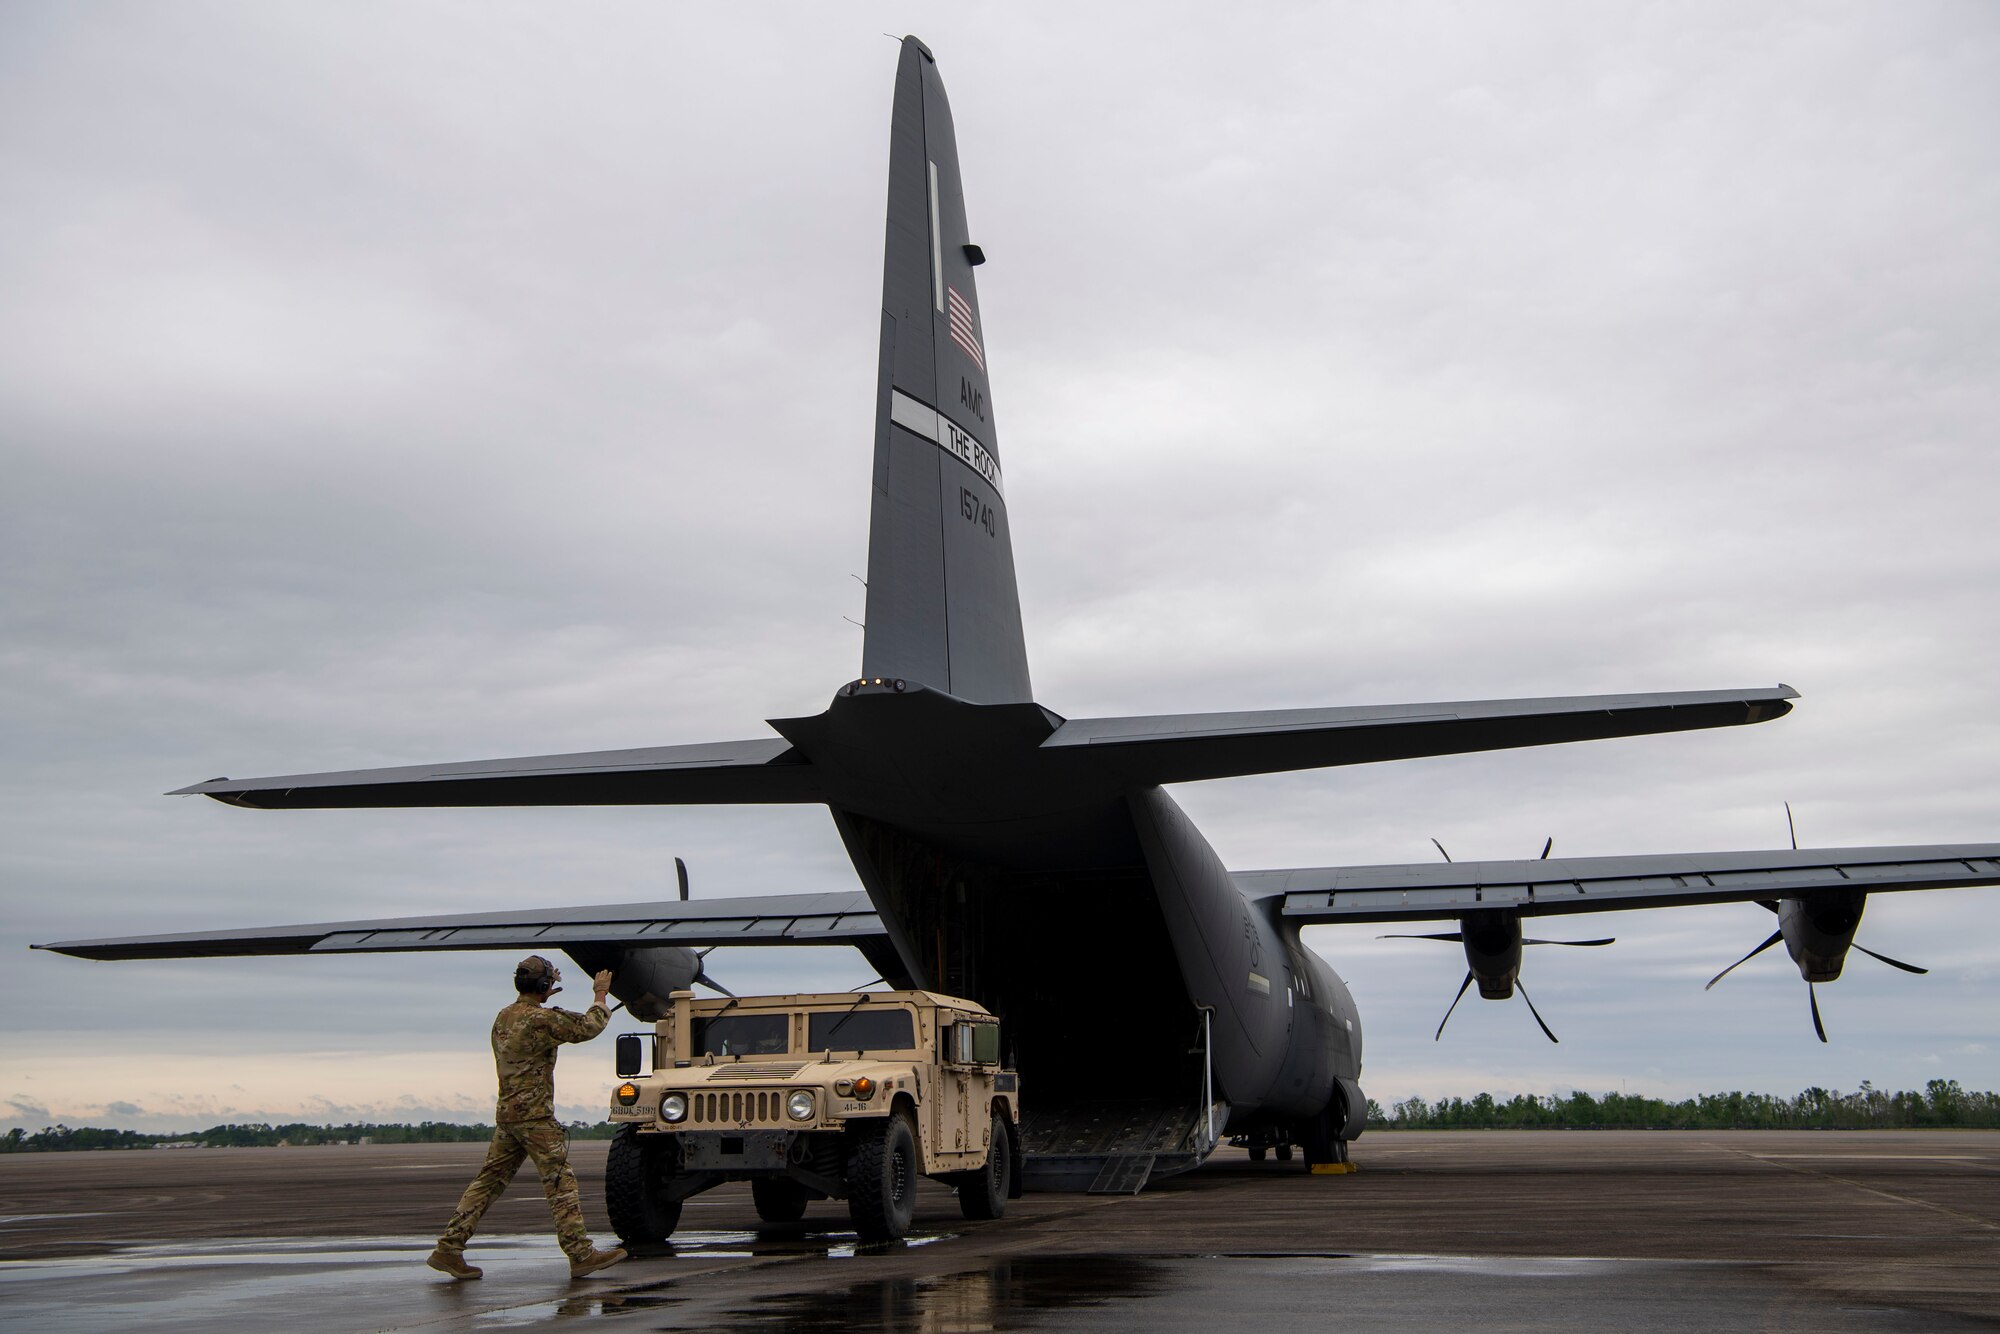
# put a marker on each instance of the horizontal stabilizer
(751, 772)
(1422, 891)
(844, 918)
(1191, 747)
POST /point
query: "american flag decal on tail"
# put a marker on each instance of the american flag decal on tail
(958, 312)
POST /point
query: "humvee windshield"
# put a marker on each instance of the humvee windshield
(742, 1035)
(861, 1030)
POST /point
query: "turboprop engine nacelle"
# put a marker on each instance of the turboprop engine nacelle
(1819, 931)
(1492, 940)
(645, 979)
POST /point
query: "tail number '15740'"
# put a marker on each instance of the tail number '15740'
(975, 510)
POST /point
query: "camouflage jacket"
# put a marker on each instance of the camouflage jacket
(525, 1038)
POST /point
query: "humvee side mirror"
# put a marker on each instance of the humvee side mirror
(629, 1056)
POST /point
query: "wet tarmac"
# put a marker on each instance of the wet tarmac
(1545, 1231)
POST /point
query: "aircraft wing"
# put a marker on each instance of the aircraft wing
(1190, 747)
(1431, 890)
(844, 918)
(716, 773)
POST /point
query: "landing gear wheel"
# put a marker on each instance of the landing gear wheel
(636, 1173)
(1257, 1152)
(983, 1194)
(1323, 1143)
(882, 1171)
(778, 1199)
(1284, 1153)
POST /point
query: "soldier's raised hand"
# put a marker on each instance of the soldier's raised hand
(601, 985)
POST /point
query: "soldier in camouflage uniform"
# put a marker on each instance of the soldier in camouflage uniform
(525, 1037)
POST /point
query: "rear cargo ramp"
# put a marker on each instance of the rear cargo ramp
(1112, 1146)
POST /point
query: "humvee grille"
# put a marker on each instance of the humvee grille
(768, 1070)
(739, 1107)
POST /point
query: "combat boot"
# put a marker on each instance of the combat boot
(453, 1263)
(595, 1261)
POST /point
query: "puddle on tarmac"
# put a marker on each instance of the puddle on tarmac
(780, 1239)
(970, 1300)
(1203, 1292)
(625, 1301)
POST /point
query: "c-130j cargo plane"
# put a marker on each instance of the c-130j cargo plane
(1009, 855)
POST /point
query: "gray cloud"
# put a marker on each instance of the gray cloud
(388, 386)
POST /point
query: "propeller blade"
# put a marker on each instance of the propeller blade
(1791, 828)
(1893, 963)
(1776, 936)
(1607, 940)
(681, 875)
(1454, 1005)
(1818, 1027)
(1532, 1010)
(1443, 935)
(1440, 847)
(1546, 846)
(713, 985)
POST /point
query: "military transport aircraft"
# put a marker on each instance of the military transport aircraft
(1005, 851)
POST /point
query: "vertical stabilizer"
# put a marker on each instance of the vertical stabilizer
(942, 605)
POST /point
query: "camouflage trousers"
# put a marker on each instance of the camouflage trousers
(544, 1142)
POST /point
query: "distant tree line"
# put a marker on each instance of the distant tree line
(1942, 1104)
(57, 1139)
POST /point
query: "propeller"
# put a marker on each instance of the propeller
(1774, 938)
(701, 975)
(1466, 985)
(1812, 993)
(1532, 1010)
(1454, 1005)
(1893, 963)
(701, 971)
(1459, 936)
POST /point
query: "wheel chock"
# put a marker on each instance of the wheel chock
(1334, 1169)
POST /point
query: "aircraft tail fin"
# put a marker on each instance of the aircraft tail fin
(943, 608)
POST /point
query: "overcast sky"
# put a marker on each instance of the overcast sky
(384, 384)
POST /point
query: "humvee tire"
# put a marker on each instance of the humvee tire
(634, 1176)
(778, 1199)
(882, 1171)
(983, 1194)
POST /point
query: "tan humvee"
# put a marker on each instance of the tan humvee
(841, 1095)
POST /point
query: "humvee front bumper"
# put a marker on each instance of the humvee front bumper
(736, 1150)
(813, 1158)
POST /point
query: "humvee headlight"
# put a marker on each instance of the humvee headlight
(800, 1105)
(674, 1107)
(627, 1094)
(864, 1088)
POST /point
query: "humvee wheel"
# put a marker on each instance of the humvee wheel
(983, 1194)
(635, 1177)
(778, 1199)
(882, 1171)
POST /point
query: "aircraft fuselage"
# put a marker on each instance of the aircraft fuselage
(1047, 892)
